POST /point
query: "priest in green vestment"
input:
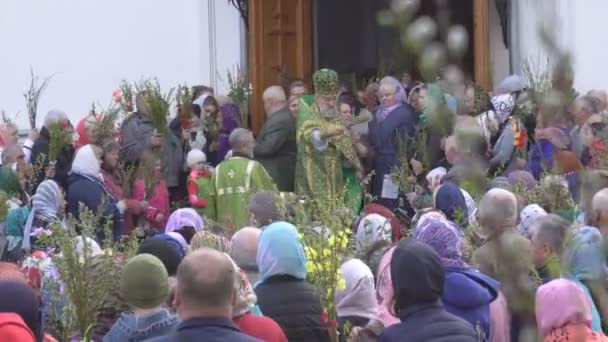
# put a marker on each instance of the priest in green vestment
(322, 141)
(235, 180)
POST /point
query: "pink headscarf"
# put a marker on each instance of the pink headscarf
(385, 292)
(185, 217)
(559, 303)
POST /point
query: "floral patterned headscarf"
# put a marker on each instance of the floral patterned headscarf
(372, 228)
(245, 296)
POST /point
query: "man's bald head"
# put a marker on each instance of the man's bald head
(599, 212)
(205, 281)
(498, 211)
(244, 248)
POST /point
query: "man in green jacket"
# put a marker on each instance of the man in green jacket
(276, 143)
(235, 180)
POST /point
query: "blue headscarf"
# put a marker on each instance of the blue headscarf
(281, 252)
(584, 260)
(450, 200)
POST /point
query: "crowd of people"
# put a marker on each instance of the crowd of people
(458, 249)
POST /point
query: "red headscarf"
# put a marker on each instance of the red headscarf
(83, 137)
(397, 227)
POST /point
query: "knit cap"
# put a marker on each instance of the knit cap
(195, 156)
(144, 283)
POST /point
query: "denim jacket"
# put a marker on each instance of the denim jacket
(133, 328)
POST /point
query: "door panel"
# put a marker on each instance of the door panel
(280, 48)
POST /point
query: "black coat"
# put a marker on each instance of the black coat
(40, 160)
(276, 149)
(429, 322)
(295, 305)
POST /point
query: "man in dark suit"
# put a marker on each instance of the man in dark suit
(276, 143)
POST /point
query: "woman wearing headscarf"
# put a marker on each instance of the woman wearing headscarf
(372, 228)
(391, 130)
(185, 222)
(467, 293)
(250, 323)
(527, 217)
(207, 239)
(504, 159)
(396, 225)
(85, 187)
(417, 303)
(585, 265)
(383, 315)
(563, 313)
(282, 264)
(157, 211)
(113, 182)
(230, 118)
(48, 205)
(356, 302)
(451, 201)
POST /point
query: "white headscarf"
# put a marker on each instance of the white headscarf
(372, 228)
(527, 217)
(358, 298)
(86, 163)
(46, 203)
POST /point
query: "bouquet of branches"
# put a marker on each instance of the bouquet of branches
(84, 275)
(104, 126)
(183, 99)
(59, 138)
(124, 96)
(158, 103)
(239, 90)
(325, 232)
(33, 94)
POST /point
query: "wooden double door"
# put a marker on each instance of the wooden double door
(281, 46)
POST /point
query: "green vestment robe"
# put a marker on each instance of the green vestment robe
(319, 173)
(234, 181)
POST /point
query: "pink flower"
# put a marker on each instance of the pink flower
(117, 95)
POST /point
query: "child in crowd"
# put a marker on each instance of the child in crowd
(158, 201)
(145, 287)
(199, 180)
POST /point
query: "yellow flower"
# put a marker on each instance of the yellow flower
(326, 253)
(332, 241)
(341, 284)
(311, 267)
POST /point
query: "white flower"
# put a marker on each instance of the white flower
(458, 40)
(408, 6)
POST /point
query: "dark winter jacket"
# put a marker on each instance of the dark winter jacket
(295, 305)
(133, 328)
(91, 192)
(386, 137)
(467, 293)
(276, 148)
(429, 322)
(135, 132)
(417, 303)
(40, 160)
(206, 329)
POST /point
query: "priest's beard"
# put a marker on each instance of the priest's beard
(328, 112)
